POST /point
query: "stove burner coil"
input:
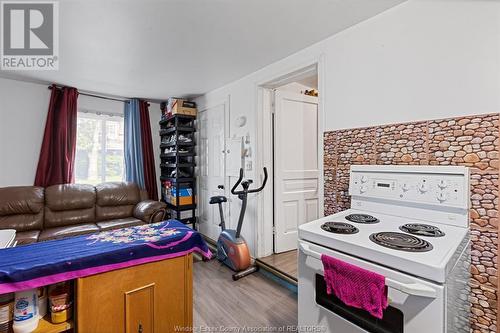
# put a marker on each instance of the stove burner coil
(362, 218)
(339, 228)
(400, 241)
(422, 230)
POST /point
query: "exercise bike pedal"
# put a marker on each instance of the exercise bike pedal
(245, 272)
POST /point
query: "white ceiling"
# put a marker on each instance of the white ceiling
(155, 49)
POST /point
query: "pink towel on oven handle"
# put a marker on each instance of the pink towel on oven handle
(355, 286)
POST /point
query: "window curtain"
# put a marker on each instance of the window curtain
(139, 156)
(148, 157)
(56, 163)
(134, 170)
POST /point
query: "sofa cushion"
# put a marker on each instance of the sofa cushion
(117, 194)
(69, 204)
(27, 237)
(67, 231)
(119, 223)
(21, 208)
(113, 212)
(116, 200)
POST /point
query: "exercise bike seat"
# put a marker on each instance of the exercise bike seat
(218, 199)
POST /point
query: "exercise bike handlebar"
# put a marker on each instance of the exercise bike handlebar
(263, 183)
(233, 190)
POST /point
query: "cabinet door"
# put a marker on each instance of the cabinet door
(149, 298)
(139, 310)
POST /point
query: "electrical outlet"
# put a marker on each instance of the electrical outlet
(248, 165)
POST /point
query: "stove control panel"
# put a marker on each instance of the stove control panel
(445, 189)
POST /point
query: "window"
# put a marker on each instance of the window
(99, 148)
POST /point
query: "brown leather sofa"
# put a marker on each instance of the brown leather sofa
(40, 214)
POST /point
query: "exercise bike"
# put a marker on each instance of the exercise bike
(232, 249)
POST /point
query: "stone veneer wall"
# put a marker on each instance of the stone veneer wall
(471, 141)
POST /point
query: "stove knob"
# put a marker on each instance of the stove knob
(442, 196)
(405, 187)
(362, 189)
(364, 179)
(423, 187)
(442, 184)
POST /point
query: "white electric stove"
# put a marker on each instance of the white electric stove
(407, 223)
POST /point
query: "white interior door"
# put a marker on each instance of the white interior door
(211, 152)
(296, 171)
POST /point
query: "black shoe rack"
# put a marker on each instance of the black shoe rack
(178, 151)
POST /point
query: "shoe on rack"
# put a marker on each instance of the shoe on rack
(169, 139)
(184, 139)
(187, 159)
(169, 150)
(182, 174)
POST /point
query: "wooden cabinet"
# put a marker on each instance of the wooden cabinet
(149, 298)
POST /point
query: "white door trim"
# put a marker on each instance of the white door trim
(264, 154)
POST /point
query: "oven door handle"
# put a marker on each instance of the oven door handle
(416, 289)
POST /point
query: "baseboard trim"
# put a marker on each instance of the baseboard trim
(282, 275)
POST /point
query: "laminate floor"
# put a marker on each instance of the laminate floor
(253, 301)
(285, 262)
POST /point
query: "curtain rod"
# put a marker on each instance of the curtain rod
(99, 96)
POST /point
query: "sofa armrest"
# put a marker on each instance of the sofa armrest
(150, 211)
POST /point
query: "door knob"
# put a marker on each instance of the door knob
(139, 329)
(221, 187)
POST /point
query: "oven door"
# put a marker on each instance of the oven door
(415, 305)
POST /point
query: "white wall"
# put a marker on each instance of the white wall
(93, 104)
(423, 59)
(23, 112)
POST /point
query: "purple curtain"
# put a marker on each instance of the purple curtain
(148, 158)
(56, 164)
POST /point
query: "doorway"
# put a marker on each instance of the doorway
(293, 109)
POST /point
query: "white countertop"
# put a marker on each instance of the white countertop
(7, 238)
